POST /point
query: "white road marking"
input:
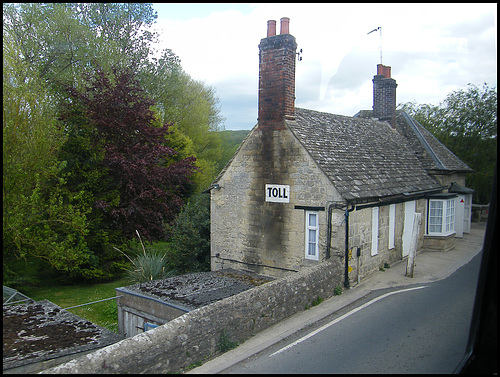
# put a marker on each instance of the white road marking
(343, 317)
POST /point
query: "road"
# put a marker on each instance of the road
(415, 329)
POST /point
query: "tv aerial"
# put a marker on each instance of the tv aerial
(379, 28)
(299, 55)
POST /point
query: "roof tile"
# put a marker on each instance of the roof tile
(363, 158)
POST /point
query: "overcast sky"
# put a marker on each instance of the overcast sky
(433, 49)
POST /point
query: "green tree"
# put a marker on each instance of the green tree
(189, 248)
(466, 123)
(36, 221)
(123, 27)
(231, 140)
(62, 40)
(192, 107)
(52, 40)
(57, 44)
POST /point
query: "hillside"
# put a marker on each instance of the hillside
(231, 140)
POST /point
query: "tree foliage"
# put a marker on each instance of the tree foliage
(192, 107)
(189, 248)
(141, 189)
(85, 168)
(466, 123)
(36, 221)
(30, 134)
(61, 40)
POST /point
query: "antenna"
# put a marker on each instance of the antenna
(379, 28)
(299, 55)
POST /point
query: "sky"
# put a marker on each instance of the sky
(432, 49)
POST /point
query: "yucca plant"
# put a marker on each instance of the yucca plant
(150, 265)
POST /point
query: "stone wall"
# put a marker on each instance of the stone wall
(439, 243)
(448, 179)
(480, 213)
(360, 236)
(194, 336)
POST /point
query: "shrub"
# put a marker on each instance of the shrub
(189, 249)
(151, 264)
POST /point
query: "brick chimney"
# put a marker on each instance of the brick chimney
(276, 76)
(384, 95)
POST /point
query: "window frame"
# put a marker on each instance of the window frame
(446, 217)
(315, 242)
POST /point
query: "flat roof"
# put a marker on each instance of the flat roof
(194, 290)
(42, 331)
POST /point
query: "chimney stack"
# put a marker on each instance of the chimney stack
(384, 95)
(276, 77)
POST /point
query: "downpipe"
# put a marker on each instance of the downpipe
(331, 207)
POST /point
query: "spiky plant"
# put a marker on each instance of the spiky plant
(150, 265)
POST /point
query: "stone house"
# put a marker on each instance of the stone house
(307, 186)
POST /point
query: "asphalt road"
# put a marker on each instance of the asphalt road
(415, 329)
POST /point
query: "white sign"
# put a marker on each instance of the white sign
(278, 193)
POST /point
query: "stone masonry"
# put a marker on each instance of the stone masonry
(251, 234)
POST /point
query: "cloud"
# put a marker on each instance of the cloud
(433, 49)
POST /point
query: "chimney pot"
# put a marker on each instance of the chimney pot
(285, 25)
(271, 28)
(384, 70)
(387, 72)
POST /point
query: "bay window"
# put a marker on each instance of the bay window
(441, 216)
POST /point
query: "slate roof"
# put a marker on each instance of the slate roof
(459, 189)
(431, 152)
(433, 155)
(363, 158)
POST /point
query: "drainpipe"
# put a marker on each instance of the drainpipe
(346, 266)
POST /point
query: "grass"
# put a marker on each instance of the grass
(225, 344)
(103, 314)
(43, 286)
(314, 302)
